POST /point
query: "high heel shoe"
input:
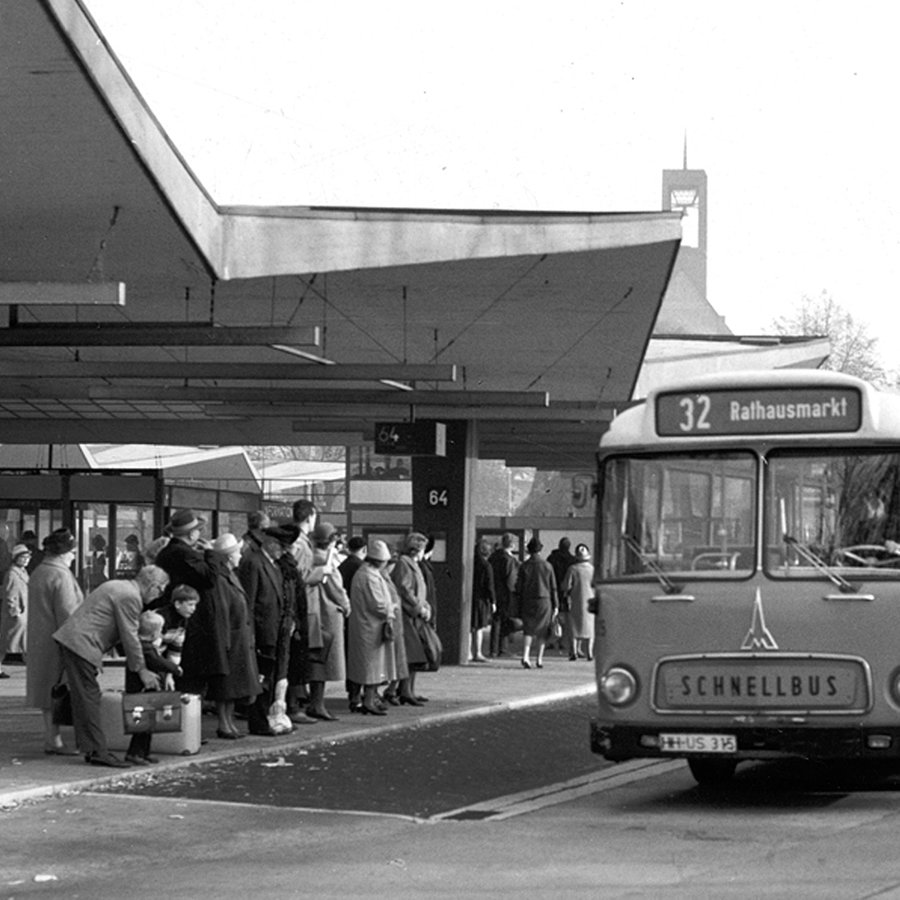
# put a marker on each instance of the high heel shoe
(409, 701)
(324, 716)
(390, 698)
(539, 665)
(526, 664)
(226, 735)
(371, 711)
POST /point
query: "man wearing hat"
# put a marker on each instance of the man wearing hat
(186, 560)
(263, 581)
(184, 557)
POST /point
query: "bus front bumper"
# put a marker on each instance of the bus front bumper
(621, 742)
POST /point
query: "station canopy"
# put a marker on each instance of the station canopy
(139, 310)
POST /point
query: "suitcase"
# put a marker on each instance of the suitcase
(179, 743)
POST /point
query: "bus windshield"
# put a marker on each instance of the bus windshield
(688, 513)
(843, 508)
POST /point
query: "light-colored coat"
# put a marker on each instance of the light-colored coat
(579, 589)
(333, 603)
(370, 659)
(53, 595)
(109, 615)
(14, 611)
(311, 577)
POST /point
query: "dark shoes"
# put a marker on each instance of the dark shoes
(4, 675)
(325, 716)
(106, 759)
(225, 735)
(302, 717)
(391, 698)
(410, 701)
(526, 664)
(371, 711)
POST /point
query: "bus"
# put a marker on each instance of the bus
(747, 577)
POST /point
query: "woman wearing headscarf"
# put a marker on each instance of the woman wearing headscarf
(15, 605)
(53, 595)
(410, 582)
(371, 634)
(334, 608)
(538, 602)
(241, 680)
(579, 588)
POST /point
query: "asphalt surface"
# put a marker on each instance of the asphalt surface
(455, 692)
(417, 772)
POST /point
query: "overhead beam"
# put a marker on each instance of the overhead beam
(306, 397)
(153, 334)
(54, 293)
(224, 370)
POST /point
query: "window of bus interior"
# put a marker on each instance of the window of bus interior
(837, 509)
(691, 514)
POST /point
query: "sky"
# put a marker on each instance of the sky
(575, 105)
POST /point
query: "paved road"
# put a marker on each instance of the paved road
(418, 772)
(629, 831)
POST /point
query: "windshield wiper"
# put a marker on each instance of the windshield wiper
(820, 565)
(668, 585)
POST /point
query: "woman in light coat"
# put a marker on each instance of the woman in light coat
(53, 595)
(15, 604)
(370, 657)
(334, 608)
(578, 587)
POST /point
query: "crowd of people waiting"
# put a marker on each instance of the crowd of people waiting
(259, 625)
(256, 625)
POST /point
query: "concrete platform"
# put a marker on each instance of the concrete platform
(26, 772)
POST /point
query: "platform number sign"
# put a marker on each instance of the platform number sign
(438, 498)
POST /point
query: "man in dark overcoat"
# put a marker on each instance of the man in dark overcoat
(263, 582)
(186, 561)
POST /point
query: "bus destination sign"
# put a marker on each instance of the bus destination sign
(758, 411)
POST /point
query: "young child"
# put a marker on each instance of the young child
(183, 605)
(150, 635)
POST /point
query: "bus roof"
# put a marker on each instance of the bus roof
(754, 395)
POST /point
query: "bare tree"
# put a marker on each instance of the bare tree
(853, 349)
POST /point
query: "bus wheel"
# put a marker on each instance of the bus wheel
(712, 772)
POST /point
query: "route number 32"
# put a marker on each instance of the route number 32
(696, 413)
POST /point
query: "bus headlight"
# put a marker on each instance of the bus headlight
(894, 686)
(618, 686)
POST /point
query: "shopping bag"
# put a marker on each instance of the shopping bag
(431, 644)
(154, 711)
(61, 704)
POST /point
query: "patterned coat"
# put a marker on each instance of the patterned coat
(370, 659)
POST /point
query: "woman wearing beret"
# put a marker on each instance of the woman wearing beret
(370, 653)
(53, 596)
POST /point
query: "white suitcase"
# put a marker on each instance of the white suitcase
(180, 743)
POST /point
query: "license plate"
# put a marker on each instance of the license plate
(698, 743)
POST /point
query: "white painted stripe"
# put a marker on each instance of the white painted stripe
(550, 795)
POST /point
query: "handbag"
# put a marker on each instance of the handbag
(387, 630)
(61, 704)
(431, 644)
(152, 711)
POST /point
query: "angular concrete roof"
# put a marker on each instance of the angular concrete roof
(533, 324)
